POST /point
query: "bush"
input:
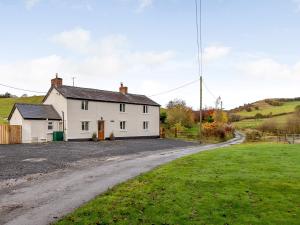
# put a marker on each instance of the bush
(274, 102)
(248, 109)
(297, 110)
(234, 118)
(253, 135)
(163, 116)
(292, 126)
(178, 112)
(217, 130)
(269, 126)
(256, 107)
(258, 116)
(94, 137)
(112, 136)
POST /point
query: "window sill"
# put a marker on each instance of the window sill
(123, 130)
(85, 132)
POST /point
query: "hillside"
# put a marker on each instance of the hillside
(274, 111)
(6, 105)
(267, 107)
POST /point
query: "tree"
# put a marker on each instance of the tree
(163, 116)
(179, 113)
(220, 116)
(258, 116)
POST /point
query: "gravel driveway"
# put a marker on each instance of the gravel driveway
(44, 199)
(19, 160)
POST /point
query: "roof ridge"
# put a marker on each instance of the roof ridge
(37, 104)
(94, 89)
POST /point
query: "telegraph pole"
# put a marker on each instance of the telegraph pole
(73, 78)
(200, 111)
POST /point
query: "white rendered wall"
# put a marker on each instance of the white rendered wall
(110, 113)
(60, 105)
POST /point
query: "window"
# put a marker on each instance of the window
(122, 125)
(122, 107)
(84, 125)
(50, 125)
(145, 125)
(84, 105)
(145, 109)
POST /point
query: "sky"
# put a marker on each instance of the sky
(251, 48)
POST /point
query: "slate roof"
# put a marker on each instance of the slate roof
(71, 92)
(36, 111)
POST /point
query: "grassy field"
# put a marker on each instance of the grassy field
(255, 123)
(266, 109)
(244, 184)
(6, 105)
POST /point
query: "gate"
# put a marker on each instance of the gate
(10, 134)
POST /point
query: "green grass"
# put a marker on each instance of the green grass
(255, 123)
(6, 105)
(266, 109)
(244, 184)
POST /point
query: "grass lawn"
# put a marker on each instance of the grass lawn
(6, 105)
(244, 184)
(265, 109)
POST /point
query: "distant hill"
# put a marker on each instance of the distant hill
(255, 114)
(6, 105)
(267, 107)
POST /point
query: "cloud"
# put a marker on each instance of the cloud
(143, 4)
(212, 53)
(109, 49)
(77, 39)
(29, 4)
(103, 63)
(269, 68)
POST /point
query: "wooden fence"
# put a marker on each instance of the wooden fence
(289, 138)
(10, 134)
(181, 134)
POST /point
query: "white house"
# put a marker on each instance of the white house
(81, 112)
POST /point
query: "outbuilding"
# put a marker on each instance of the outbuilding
(38, 121)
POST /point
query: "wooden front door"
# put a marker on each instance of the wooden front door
(100, 130)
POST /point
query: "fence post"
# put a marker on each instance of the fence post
(175, 132)
(286, 137)
(293, 138)
(162, 133)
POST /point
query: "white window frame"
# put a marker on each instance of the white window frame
(50, 124)
(85, 105)
(145, 125)
(123, 125)
(85, 126)
(122, 107)
(145, 109)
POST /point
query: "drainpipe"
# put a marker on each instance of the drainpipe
(63, 118)
(47, 130)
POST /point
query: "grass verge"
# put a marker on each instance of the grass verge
(244, 184)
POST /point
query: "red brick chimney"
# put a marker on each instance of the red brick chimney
(123, 89)
(56, 82)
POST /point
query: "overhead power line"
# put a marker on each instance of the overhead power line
(209, 91)
(21, 89)
(176, 88)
